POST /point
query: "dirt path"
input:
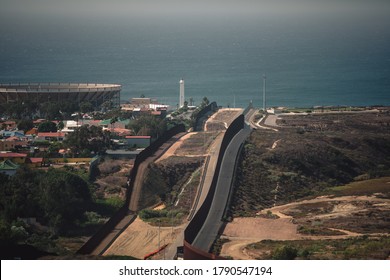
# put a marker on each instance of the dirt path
(226, 121)
(140, 239)
(172, 150)
(342, 209)
(245, 231)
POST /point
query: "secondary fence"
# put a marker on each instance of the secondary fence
(110, 225)
(202, 116)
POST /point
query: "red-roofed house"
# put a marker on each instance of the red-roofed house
(14, 157)
(34, 162)
(138, 141)
(11, 143)
(32, 131)
(120, 131)
(39, 121)
(50, 136)
(8, 125)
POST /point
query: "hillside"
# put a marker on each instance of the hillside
(316, 188)
(307, 155)
(351, 222)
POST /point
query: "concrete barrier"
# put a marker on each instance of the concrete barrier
(193, 228)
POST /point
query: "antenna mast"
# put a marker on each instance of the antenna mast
(264, 87)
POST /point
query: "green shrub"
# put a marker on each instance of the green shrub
(285, 252)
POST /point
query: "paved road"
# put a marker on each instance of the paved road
(213, 222)
(271, 120)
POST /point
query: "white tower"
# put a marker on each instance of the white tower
(181, 101)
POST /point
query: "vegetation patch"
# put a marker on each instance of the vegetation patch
(197, 144)
(379, 187)
(166, 179)
(216, 247)
(52, 211)
(163, 218)
(339, 249)
(315, 154)
(268, 215)
(318, 230)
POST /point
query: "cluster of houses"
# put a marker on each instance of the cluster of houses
(18, 146)
(145, 106)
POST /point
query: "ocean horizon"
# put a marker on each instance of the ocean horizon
(314, 60)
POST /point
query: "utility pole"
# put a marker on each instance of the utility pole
(264, 88)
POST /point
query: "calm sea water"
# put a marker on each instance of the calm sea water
(308, 62)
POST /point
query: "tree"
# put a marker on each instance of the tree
(57, 198)
(25, 125)
(19, 195)
(60, 126)
(15, 110)
(90, 138)
(113, 121)
(148, 125)
(285, 252)
(68, 108)
(47, 127)
(86, 107)
(205, 102)
(64, 198)
(51, 110)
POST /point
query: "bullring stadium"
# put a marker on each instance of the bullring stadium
(96, 94)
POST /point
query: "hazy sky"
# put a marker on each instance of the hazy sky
(178, 8)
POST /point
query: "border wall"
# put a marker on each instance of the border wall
(193, 228)
(202, 116)
(105, 230)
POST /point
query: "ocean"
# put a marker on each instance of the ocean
(309, 61)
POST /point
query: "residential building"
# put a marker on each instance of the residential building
(138, 141)
(14, 157)
(50, 136)
(8, 167)
(12, 143)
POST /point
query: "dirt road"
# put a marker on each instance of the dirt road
(245, 231)
(172, 150)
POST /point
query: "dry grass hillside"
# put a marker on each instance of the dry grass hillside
(318, 188)
(308, 155)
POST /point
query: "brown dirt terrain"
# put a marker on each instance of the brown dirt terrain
(172, 150)
(222, 119)
(140, 239)
(319, 218)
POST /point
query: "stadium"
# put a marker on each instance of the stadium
(96, 94)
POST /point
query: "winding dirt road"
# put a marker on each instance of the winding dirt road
(245, 231)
